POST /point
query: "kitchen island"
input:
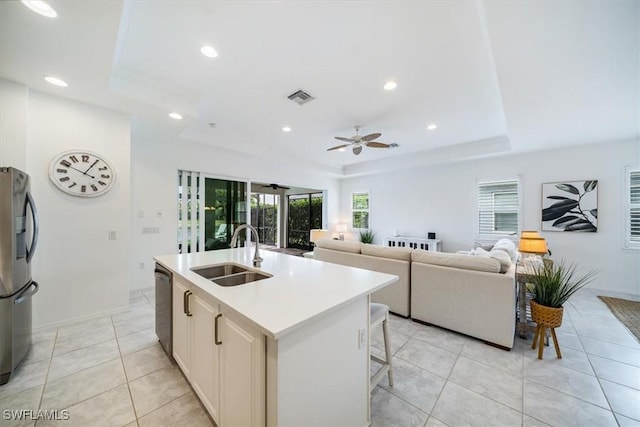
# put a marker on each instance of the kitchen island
(288, 350)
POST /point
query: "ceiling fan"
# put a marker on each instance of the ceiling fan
(275, 186)
(358, 141)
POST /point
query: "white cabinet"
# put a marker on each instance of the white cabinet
(222, 355)
(204, 373)
(242, 373)
(181, 347)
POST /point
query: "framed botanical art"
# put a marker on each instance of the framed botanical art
(570, 206)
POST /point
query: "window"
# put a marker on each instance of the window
(498, 208)
(360, 210)
(632, 211)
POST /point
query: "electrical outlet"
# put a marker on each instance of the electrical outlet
(113, 235)
(362, 337)
(159, 214)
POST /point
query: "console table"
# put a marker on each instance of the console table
(525, 324)
(414, 243)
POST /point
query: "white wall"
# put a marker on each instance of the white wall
(442, 199)
(157, 159)
(81, 273)
(13, 124)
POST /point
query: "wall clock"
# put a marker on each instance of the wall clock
(81, 173)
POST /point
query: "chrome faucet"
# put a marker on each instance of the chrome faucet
(257, 260)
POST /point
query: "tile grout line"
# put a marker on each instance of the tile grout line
(124, 369)
(46, 378)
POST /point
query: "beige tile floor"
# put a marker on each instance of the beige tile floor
(112, 372)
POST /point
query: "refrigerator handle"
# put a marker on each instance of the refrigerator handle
(24, 294)
(36, 227)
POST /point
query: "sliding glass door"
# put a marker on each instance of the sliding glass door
(265, 217)
(209, 210)
(305, 214)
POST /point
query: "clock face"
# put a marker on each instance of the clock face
(81, 173)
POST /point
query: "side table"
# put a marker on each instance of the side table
(524, 323)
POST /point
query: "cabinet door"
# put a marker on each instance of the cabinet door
(204, 360)
(181, 346)
(242, 373)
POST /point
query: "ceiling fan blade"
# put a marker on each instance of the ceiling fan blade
(337, 147)
(371, 136)
(341, 138)
(376, 144)
(357, 149)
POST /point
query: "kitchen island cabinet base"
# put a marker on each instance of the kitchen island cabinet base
(318, 375)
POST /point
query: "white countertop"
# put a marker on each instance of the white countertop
(300, 290)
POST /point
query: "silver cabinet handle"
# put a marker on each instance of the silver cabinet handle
(218, 342)
(186, 305)
(189, 314)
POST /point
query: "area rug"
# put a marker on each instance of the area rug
(627, 312)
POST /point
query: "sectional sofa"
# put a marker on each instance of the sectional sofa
(471, 294)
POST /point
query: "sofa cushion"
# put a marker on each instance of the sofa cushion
(339, 245)
(503, 259)
(465, 262)
(402, 254)
(500, 255)
(509, 247)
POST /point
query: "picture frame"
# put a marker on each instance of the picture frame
(570, 206)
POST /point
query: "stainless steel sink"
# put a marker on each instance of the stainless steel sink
(213, 271)
(229, 274)
(240, 278)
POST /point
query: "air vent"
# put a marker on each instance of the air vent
(300, 97)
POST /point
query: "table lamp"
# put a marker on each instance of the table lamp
(532, 243)
(316, 234)
(341, 228)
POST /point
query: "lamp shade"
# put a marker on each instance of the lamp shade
(315, 235)
(532, 243)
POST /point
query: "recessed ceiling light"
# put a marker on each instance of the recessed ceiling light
(286, 129)
(40, 7)
(390, 85)
(208, 51)
(56, 81)
(432, 127)
(175, 116)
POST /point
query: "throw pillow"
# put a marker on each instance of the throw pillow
(509, 247)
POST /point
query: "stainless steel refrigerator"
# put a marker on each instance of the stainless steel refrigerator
(18, 239)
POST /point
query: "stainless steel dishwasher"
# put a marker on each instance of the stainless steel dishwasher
(164, 308)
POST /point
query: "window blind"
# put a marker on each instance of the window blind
(634, 206)
(498, 207)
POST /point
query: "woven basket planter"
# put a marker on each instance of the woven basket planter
(550, 317)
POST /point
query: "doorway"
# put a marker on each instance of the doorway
(265, 217)
(305, 214)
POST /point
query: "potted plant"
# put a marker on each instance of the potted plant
(366, 236)
(550, 286)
